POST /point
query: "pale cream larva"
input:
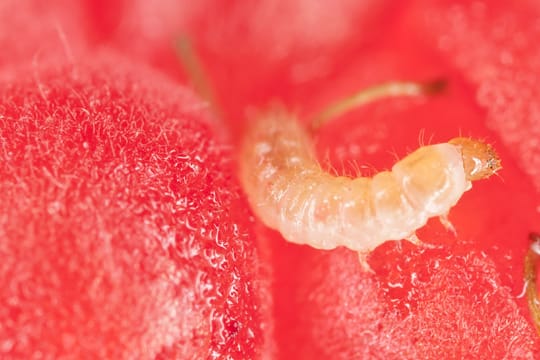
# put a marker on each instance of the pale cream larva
(289, 191)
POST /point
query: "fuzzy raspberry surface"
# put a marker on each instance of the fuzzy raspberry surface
(124, 234)
(460, 299)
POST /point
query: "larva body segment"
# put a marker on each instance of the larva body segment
(290, 192)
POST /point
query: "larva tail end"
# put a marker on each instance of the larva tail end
(479, 159)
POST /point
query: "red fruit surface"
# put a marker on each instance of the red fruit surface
(460, 299)
(34, 33)
(124, 234)
(253, 52)
(430, 303)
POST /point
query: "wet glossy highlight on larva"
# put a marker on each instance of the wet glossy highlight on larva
(290, 192)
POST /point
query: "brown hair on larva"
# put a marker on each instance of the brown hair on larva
(479, 159)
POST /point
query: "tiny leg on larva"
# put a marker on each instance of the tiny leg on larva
(290, 192)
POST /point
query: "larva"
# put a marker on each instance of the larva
(290, 192)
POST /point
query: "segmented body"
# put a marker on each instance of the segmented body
(290, 192)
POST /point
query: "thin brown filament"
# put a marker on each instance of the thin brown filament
(194, 69)
(374, 93)
(530, 270)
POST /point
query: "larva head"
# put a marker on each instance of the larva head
(479, 159)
